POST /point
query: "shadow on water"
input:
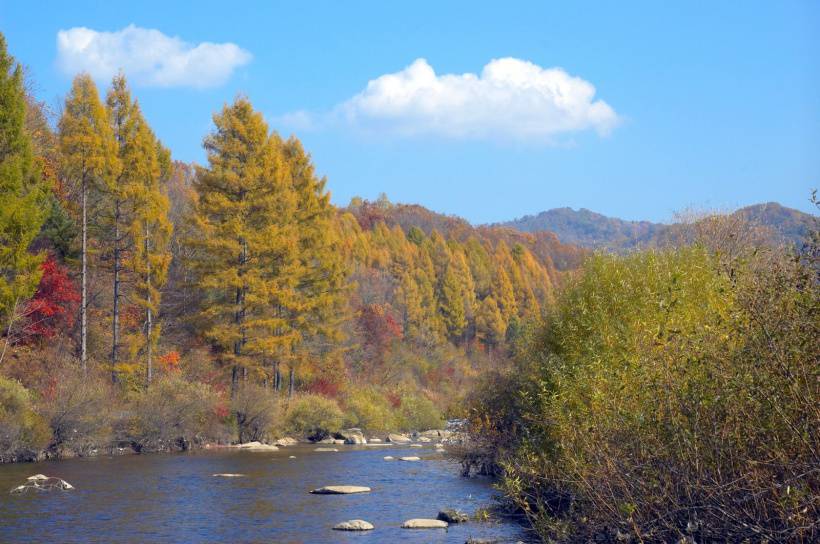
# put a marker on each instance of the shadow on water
(175, 498)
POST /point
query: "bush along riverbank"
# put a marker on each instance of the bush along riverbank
(669, 396)
(85, 417)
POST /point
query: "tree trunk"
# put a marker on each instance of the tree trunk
(149, 318)
(115, 344)
(291, 381)
(84, 273)
(277, 378)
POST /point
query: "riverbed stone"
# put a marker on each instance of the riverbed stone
(340, 490)
(353, 436)
(326, 449)
(286, 441)
(424, 439)
(376, 440)
(228, 475)
(389, 458)
(37, 477)
(354, 525)
(420, 523)
(410, 458)
(451, 515)
(416, 445)
(256, 446)
(399, 438)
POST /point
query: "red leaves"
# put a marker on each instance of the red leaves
(379, 329)
(54, 305)
(170, 361)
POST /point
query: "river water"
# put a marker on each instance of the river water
(175, 498)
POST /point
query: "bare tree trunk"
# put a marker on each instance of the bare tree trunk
(277, 377)
(149, 321)
(115, 344)
(291, 381)
(84, 296)
(239, 316)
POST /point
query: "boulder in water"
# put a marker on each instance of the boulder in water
(398, 438)
(354, 525)
(424, 524)
(353, 436)
(286, 441)
(340, 490)
(453, 516)
(410, 458)
(389, 458)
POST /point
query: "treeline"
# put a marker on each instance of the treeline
(236, 285)
(668, 396)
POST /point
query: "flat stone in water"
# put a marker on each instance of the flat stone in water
(389, 458)
(424, 524)
(227, 475)
(410, 458)
(340, 490)
(326, 449)
(354, 525)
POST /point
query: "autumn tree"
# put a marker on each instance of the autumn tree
(22, 193)
(88, 162)
(245, 242)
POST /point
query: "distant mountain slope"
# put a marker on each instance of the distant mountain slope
(593, 230)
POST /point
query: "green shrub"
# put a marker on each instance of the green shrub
(368, 409)
(23, 433)
(173, 414)
(313, 416)
(667, 393)
(418, 413)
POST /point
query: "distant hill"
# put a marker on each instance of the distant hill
(593, 230)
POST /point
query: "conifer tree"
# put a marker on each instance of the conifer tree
(88, 161)
(22, 194)
(245, 243)
(150, 230)
(321, 283)
(120, 192)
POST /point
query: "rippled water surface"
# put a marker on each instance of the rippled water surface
(175, 498)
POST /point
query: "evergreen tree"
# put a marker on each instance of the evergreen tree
(88, 161)
(22, 195)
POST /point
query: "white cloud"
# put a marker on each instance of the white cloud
(148, 57)
(510, 99)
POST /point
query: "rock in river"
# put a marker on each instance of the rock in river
(353, 436)
(453, 516)
(354, 525)
(340, 490)
(398, 438)
(424, 524)
(228, 475)
(410, 458)
(326, 449)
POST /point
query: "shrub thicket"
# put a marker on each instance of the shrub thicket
(23, 432)
(313, 416)
(668, 395)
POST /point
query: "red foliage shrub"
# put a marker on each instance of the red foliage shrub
(54, 305)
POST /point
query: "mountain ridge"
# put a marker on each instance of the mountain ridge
(593, 230)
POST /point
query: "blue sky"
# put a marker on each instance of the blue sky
(696, 104)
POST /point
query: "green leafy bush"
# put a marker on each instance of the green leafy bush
(368, 409)
(313, 416)
(418, 413)
(667, 393)
(23, 433)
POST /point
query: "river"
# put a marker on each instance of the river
(176, 498)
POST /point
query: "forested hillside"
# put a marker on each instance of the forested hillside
(136, 288)
(595, 231)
